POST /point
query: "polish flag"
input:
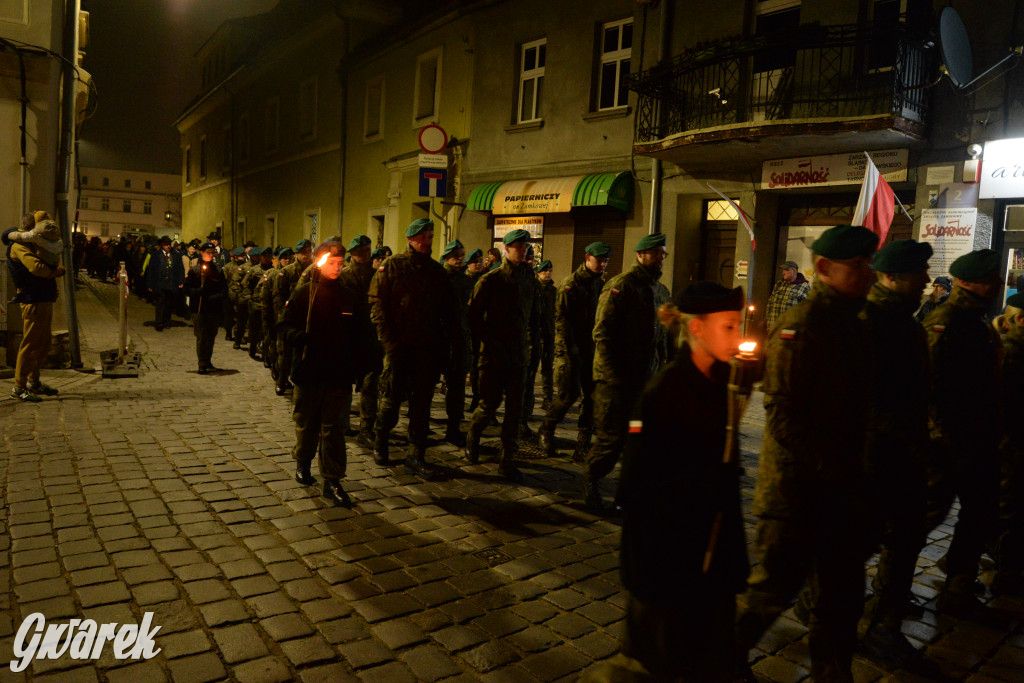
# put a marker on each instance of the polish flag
(876, 204)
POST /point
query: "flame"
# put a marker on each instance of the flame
(323, 260)
(750, 308)
(747, 348)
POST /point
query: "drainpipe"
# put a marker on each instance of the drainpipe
(65, 163)
(343, 137)
(657, 173)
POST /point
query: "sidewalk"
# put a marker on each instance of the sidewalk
(173, 494)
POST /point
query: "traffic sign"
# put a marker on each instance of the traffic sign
(433, 161)
(433, 139)
(433, 182)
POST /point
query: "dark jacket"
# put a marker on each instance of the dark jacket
(165, 271)
(34, 280)
(575, 312)
(336, 348)
(673, 484)
(500, 313)
(207, 288)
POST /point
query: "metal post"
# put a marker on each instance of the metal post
(122, 313)
(67, 135)
(657, 173)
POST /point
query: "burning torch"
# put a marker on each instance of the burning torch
(202, 286)
(313, 279)
(742, 369)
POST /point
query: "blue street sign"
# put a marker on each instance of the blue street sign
(433, 182)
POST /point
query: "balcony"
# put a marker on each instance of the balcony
(731, 104)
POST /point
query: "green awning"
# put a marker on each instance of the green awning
(552, 195)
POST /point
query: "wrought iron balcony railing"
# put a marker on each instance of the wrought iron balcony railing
(813, 72)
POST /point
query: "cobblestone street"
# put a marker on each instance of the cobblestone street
(173, 493)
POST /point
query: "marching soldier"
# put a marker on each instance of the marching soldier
(378, 256)
(811, 466)
(252, 260)
(252, 278)
(575, 313)
(207, 290)
(270, 313)
(542, 339)
(458, 366)
(357, 276)
(283, 286)
(965, 419)
(231, 275)
(413, 308)
(499, 315)
(629, 348)
(475, 269)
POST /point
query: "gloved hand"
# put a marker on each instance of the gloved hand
(5, 236)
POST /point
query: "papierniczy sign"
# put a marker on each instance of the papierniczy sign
(81, 639)
(833, 169)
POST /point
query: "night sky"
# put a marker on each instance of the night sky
(141, 55)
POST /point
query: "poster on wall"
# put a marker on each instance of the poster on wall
(532, 224)
(951, 234)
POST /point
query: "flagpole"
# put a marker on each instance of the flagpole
(903, 208)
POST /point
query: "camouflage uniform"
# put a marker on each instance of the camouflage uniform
(282, 288)
(230, 271)
(413, 308)
(1010, 543)
(630, 346)
(896, 449)
(253, 276)
(499, 315)
(265, 293)
(455, 373)
(965, 422)
(574, 315)
(474, 362)
(811, 471)
(235, 273)
(357, 277)
(542, 352)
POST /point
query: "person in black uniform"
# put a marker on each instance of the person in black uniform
(679, 621)
(207, 288)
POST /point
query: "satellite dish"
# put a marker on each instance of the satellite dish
(957, 58)
(956, 48)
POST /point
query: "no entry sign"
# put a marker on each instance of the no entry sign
(433, 139)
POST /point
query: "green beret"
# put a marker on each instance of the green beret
(902, 256)
(255, 251)
(450, 247)
(651, 241)
(475, 255)
(708, 296)
(845, 242)
(419, 225)
(976, 265)
(544, 265)
(379, 252)
(302, 244)
(1017, 300)
(359, 241)
(286, 252)
(516, 236)
(238, 251)
(598, 250)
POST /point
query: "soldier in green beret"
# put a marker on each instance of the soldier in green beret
(414, 309)
(629, 348)
(807, 495)
(575, 313)
(231, 274)
(1009, 578)
(499, 315)
(252, 278)
(475, 268)
(458, 366)
(357, 276)
(897, 444)
(284, 284)
(965, 420)
(271, 312)
(542, 352)
(240, 297)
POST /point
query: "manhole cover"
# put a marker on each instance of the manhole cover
(493, 557)
(529, 451)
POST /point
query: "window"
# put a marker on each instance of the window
(271, 124)
(721, 210)
(531, 80)
(85, 180)
(104, 230)
(147, 207)
(243, 138)
(187, 161)
(307, 109)
(126, 206)
(106, 182)
(149, 185)
(128, 183)
(428, 88)
(373, 112)
(775, 16)
(104, 204)
(202, 158)
(85, 202)
(616, 46)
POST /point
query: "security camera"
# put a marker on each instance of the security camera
(974, 150)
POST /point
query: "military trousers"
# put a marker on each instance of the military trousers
(455, 383)
(612, 408)
(499, 380)
(547, 365)
(255, 325)
(284, 361)
(369, 399)
(815, 548)
(573, 381)
(530, 383)
(1010, 544)
(321, 420)
(975, 481)
(269, 341)
(205, 329)
(241, 319)
(229, 316)
(474, 368)
(408, 377)
(36, 323)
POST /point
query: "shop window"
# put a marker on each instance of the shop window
(616, 48)
(373, 110)
(531, 80)
(428, 88)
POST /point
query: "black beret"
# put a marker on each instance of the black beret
(213, 236)
(976, 265)
(902, 256)
(845, 242)
(1017, 300)
(249, 243)
(208, 246)
(165, 240)
(943, 281)
(708, 296)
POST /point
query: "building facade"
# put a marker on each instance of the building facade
(112, 203)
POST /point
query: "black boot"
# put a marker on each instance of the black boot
(592, 495)
(472, 449)
(546, 440)
(380, 449)
(416, 463)
(336, 494)
(508, 468)
(473, 404)
(365, 436)
(280, 389)
(582, 446)
(228, 337)
(302, 474)
(237, 345)
(453, 435)
(525, 433)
